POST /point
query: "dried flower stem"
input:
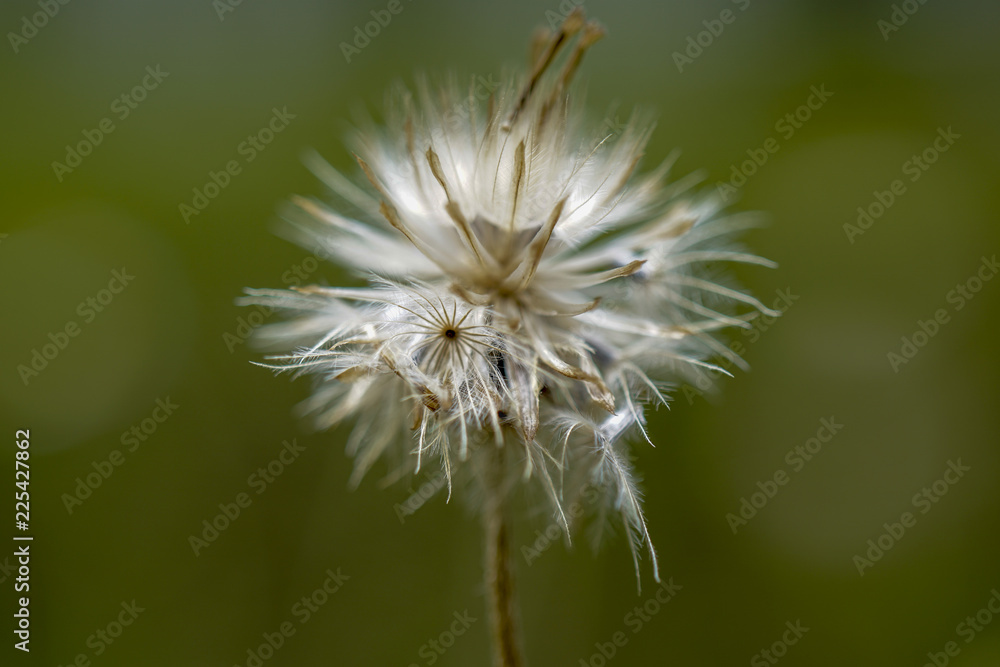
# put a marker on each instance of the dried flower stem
(499, 575)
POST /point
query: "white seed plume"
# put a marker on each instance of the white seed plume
(525, 288)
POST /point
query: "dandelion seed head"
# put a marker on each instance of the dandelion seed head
(526, 287)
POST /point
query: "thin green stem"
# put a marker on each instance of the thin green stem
(499, 575)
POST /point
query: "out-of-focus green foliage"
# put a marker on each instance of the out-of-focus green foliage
(737, 104)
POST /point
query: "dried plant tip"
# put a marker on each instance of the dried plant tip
(572, 24)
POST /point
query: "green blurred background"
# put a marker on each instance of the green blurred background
(168, 335)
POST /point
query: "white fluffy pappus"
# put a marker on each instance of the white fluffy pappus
(526, 289)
